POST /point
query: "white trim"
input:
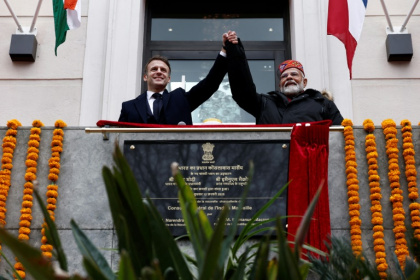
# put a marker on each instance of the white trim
(113, 58)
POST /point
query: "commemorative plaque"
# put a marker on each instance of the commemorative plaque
(216, 171)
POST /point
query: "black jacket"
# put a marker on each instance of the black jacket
(274, 107)
(177, 104)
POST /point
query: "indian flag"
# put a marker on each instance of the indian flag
(67, 16)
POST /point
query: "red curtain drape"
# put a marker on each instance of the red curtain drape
(308, 167)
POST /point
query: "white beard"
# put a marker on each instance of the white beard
(292, 90)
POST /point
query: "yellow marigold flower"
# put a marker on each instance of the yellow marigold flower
(347, 122)
(377, 221)
(35, 137)
(52, 177)
(405, 123)
(37, 123)
(14, 124)
(28, 191)
(379, 241)
(52, 200)
(368, 125)
(52, 193)
(27, 204)
(55, 170)
(52, 187)
(11, 132)
(354, 207)
(378, 234)
(25, 223)
(7, 166)
(60, 123)
(30, 176)
(24, 230)
(57, 149)
(58, 132)
(44, 240)
(51, 207)
(54, 159)
(58, 138)
(56, 143)
(33, 150)
(23, 237)
(18, 265)
(35, 130)
(413, 195)
(5, 160)
(27, 217)
(48, 255)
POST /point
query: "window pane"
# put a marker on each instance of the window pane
(193, 29)
(221, 105)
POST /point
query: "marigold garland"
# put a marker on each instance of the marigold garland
(52, 194)
(390, 132)
(9, 145)
(353, 188)
(375, 198)
(32, 156)
(411, 175)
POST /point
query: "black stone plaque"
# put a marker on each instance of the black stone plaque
(216, 170)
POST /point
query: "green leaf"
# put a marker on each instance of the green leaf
(288, 265)
(89, 251)
(31, 258)
(126, 271)
(211, 269)
(92, 270)
(11, 266)
(165, 247)
(305, 222)
(259, 269)
(52, 234)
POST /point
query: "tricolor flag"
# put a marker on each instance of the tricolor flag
(345, 21)
(67, 16)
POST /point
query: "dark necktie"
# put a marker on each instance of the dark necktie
(157, 105)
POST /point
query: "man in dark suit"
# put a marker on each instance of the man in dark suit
(173, 107)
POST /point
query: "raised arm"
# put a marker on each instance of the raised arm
(240, 79)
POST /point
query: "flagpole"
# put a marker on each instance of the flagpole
(35, 16)
(409, 15)
(387, 16)
(14, 16)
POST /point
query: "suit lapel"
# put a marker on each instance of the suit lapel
(142, 106)
(165, 97)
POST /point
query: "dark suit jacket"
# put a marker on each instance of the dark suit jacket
(177, 104)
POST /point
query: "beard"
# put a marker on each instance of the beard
(292, 89)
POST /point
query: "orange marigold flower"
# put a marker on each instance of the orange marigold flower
(24, 230)
(35, 137)
(37, 123)
(30, 176)
(48, 255)
(51, 207)
(25, 223)
(52, 187)
(347, 122)
(35, 130)
(52, 177)
(52, 193)
(368, 125)
(60, 123)
(378, 234)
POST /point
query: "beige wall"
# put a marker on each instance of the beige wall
(49, 88)
(383, 89)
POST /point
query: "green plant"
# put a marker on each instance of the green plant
(148, 251)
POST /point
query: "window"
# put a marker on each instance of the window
(190, 35)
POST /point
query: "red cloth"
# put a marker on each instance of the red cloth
(308, 167)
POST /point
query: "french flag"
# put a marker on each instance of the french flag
(345, 21)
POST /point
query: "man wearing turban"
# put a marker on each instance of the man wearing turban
(292, 104)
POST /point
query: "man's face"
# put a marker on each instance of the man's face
(157, 76)
(292, 82)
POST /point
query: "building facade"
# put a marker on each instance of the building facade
(100, 65)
